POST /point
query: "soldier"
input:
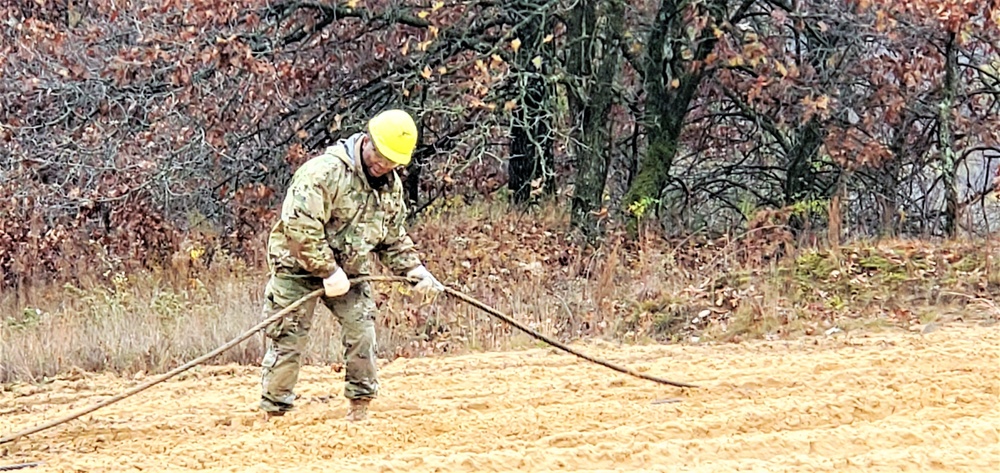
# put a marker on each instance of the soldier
(341, 206)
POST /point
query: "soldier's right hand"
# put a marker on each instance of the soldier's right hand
(336, 284)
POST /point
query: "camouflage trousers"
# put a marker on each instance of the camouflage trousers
(286, 339)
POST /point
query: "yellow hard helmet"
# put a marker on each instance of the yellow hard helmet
(394, 134)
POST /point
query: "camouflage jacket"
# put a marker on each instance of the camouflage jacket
(331, 216)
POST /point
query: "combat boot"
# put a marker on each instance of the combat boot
(358, 410)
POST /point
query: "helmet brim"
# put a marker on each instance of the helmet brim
(383, 149)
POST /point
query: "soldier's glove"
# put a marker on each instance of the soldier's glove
(428, 285)
(336, 284)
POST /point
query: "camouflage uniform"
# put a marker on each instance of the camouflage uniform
(331, 217)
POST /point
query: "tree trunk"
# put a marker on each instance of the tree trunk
(835, 218)
(800, 180)
(652, 177)
(531, 137)
(887, 184)
(531, 144)
(412, 183)
(411, 186)
(672, 76)
(593, 64)
(887, 198)
(946, 138)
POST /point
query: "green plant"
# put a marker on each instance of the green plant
(640, 207)
(805, 208)
(29, 318)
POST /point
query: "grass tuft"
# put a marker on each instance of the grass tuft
(524, 264)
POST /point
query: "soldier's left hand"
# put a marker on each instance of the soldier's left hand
(428, 284)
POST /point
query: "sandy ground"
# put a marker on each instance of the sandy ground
(888, 401)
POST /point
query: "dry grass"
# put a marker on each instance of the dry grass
(524, 265)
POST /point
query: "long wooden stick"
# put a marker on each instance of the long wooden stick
(557, 344)
(19, 466)
(269, 320)
(163, 377)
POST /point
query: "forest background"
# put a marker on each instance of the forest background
(695, 171)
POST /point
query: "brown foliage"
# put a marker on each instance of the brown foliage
(127, 128)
